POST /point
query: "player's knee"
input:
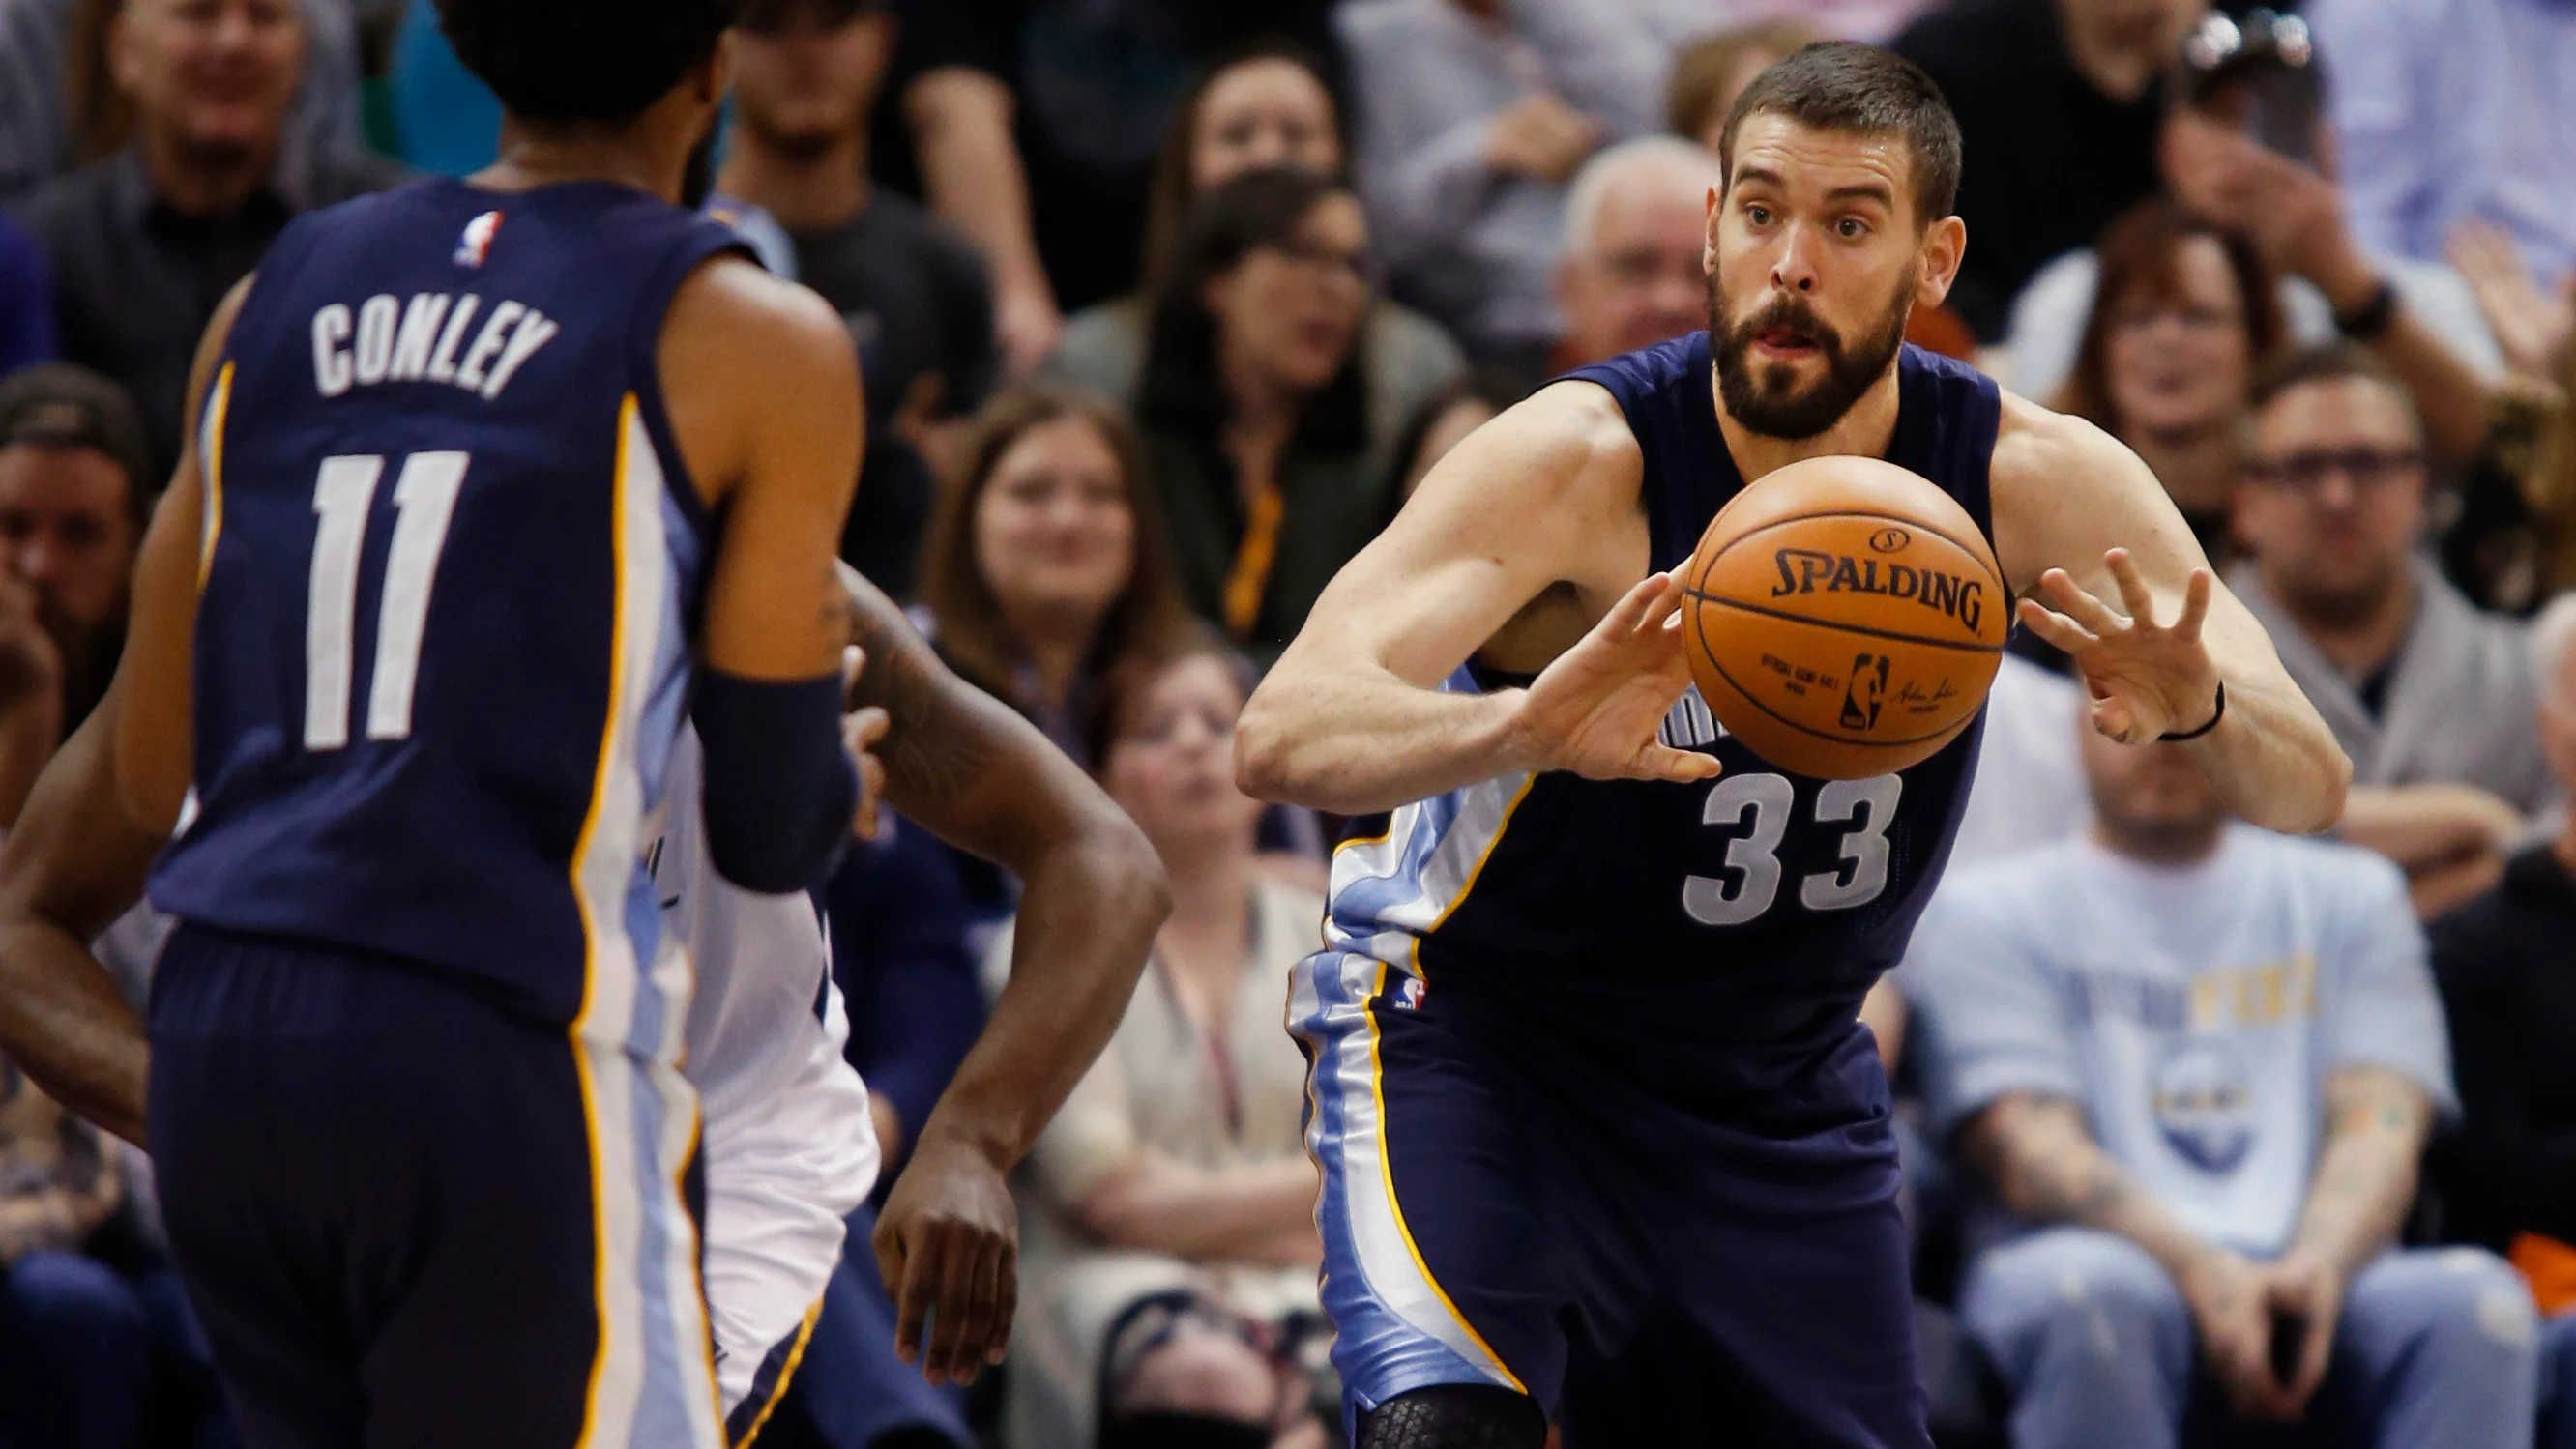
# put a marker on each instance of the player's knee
(2465, 1299)
(1455, 1416)
(1196, 1372)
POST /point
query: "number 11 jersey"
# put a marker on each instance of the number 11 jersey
(1752, 911)
(450, 568)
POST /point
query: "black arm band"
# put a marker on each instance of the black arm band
(780, 788)
(2214, 718)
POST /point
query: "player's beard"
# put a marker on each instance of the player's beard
(1767, 398)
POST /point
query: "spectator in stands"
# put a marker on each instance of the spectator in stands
(2183, 315)
(915, 294)
(1474, 115)
(26, 301)
(2431, 698)
(2422, 318)
(59, 109)
(1267, 104)
(144, 244)
(1047, 562)
(2058, 103)
(2447, 110)
(1629, 269)
(1712, 71)
(74, 1355)
(2508, 1175)
(74, 487)
(1175, 1177)
(1036, 121)
(1255, 399)
(2195, 1064)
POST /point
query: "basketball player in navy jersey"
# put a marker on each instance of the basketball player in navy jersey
(487, 479)
(1601, 1140)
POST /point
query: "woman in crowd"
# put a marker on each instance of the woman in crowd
(1170, 1254)
(2181, 318)
(1266, 104)
(1255, 401)
(1044, 564)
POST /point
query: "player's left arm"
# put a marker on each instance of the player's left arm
(971, 771)
(2080, 521)
(103, 807)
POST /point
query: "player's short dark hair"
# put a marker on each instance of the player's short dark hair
(583, 60)
(1843, 85)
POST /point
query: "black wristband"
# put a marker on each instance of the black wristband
(2220, 714)
(2371, 320)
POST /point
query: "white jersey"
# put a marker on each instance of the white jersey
(790, 1150)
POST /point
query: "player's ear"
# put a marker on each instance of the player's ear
(1708, 245)
(1945, 245)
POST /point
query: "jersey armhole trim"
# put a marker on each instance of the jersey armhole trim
(703, 243)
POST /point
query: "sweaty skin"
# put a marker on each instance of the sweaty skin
(1526, 545)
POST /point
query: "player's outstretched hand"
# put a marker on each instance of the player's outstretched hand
(948, 1244)
(1595, 710)
(2146, 679)
(861, 729)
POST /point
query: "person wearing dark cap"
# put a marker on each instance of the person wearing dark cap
(75, 470)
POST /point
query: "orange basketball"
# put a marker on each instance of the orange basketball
(1845, 618)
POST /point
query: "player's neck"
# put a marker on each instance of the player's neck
(807, 190)
(1865, 431)
(2198, 469)
(531, 157)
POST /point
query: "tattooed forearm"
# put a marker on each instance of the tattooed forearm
(2377, 1121)
(2047, 1168)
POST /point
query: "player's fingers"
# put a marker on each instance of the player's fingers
(911, 1279)
(2115, 719)
(2195, 605)
(1663, 762)
(1006, 1300)
(872, 777)
(2135, 596)
(986, 1329)
(854, 661)
(2055, 627)
(2078, 603)
(1639, 605)
(948, 1318)
(868, 726)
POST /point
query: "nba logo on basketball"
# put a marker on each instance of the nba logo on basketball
(1861, 696)
(477, 241)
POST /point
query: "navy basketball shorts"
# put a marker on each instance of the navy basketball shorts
(407, 1217)
(1505, 1205)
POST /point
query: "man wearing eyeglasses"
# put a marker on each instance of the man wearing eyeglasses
(2430, 697)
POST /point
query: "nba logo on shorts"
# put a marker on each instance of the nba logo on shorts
(477, 241)
(1410, 998)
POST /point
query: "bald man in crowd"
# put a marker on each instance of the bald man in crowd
(1629, 272)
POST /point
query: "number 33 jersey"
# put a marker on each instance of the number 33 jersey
(450, 565)
(1753, 910)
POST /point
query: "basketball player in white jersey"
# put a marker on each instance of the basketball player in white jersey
(789, 1150)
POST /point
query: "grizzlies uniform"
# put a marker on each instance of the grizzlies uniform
(1595, 1119)
(429, 1165)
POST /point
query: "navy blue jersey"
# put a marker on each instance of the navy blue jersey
(450, 564)
(1752, 910)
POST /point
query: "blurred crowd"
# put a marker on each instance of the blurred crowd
(1164, 306)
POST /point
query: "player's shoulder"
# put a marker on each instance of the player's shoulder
(1567, 431)
(733, 295)
(2034, 443)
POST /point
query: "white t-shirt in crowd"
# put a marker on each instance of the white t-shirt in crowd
(2030, 786)
(2193, 1011)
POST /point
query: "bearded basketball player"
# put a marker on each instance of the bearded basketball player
(1601, 1141)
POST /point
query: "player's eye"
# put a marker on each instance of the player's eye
(1851, 228)
(1758, 214)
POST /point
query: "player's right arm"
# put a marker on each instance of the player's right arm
(762, 386)
(1351, 719)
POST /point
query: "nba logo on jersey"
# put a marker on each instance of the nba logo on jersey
(477, 241)
(1410, 998)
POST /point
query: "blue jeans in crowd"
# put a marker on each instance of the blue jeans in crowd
(2434, 1347)
(75, 1355)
